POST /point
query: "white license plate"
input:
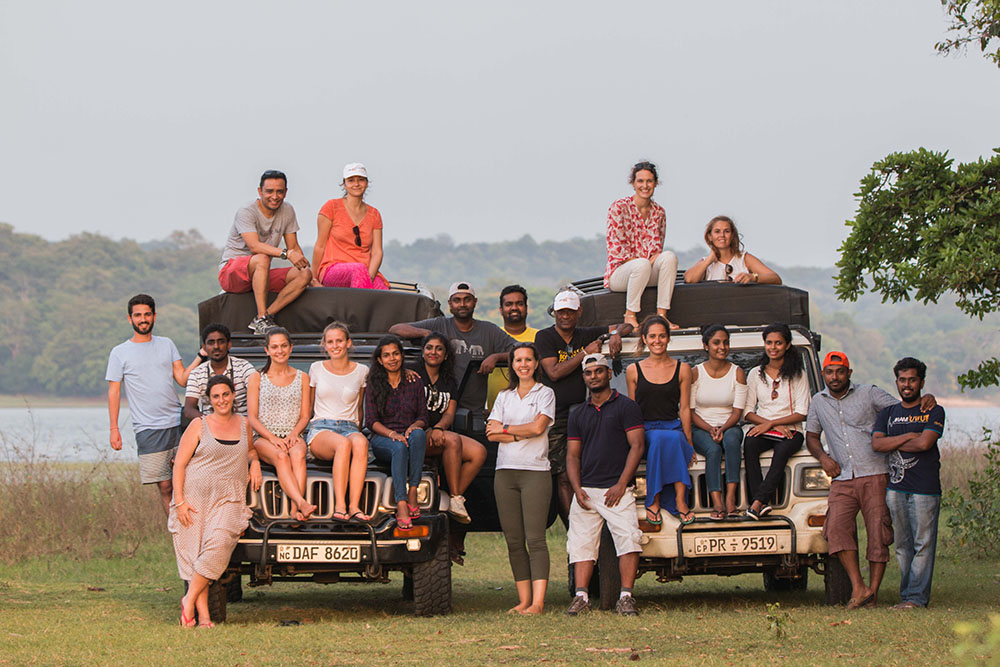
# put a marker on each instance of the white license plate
(319, 553)
(724, 545)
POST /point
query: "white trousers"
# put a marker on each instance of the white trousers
(634, 276)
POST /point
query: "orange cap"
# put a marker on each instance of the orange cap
(836, 359)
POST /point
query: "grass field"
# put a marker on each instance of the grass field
(59, 610)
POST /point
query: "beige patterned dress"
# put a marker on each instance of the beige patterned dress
(215, 485)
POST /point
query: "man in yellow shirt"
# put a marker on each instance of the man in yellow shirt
(514, 311)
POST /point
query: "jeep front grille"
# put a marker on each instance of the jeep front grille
(274, 504)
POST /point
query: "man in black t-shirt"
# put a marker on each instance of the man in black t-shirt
(910, 438)
(561, 348)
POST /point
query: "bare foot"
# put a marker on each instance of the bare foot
(532, 610)
(306, 510)
(517, 609)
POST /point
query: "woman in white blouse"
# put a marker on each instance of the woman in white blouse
(728, 262)
(777, 404)
(718, 395)
(519, 422)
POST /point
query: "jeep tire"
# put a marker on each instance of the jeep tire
(432, 582)
(835, 580)
(773, 584)
(608, 575)
(217, 602)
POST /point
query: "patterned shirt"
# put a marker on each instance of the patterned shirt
(630, 235)
(405, 404)
(847, 422)
(238, 370)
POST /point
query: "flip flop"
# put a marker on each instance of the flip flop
(185, 621)
(653, 518)
(735, 514)
(358, 517)
(717, 515)
(414, 511)
(689, 520)
(854, 603)
(404, 524)
(340, 516)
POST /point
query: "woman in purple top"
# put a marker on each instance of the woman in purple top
(396, 414)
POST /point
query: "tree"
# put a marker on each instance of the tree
(973, 21)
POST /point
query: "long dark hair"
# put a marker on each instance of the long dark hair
(647, 324)
(514, 380)
(447, 367)
(791, 365)
(268, 335)
(378, 377)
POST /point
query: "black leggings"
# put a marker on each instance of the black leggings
(759, 487)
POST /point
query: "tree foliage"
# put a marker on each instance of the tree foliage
(973, 22)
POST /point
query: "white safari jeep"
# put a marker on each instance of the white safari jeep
(787, 543)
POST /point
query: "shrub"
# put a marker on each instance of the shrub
(975, 514)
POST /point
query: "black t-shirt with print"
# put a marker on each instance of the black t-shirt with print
(569, 390)
(438, 394)
(912, 472)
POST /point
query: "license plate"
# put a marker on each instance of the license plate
(724, 545)
(319, 553)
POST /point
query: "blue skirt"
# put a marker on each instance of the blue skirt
(667, 456)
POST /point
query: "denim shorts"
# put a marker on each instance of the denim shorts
(338, 426)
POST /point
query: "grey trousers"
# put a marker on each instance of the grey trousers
(523, 498)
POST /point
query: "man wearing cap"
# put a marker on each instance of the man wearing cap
(514, 311)
(846, 412)
(254, 240)
(606, 441)
(471, 340)
(561, 348)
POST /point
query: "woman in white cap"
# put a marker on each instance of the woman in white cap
(636, 258)
(728, 262)
(348, 250)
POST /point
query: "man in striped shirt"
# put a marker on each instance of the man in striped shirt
(215, 344)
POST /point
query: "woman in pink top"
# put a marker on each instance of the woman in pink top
(348, 250)
(636, 258)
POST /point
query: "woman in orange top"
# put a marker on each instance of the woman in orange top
(348, 250)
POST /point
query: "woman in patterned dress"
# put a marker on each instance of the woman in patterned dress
(279, 407)
(209, 510)
(636, 258)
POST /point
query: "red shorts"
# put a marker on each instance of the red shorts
(234, 276)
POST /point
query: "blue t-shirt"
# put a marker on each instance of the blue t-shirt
(602, 432)
(147, 371)
(913, 472)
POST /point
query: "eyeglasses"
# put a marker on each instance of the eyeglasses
(774, 389)
(357, 236)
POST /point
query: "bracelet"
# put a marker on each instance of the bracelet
(114, 428)
(183, 502)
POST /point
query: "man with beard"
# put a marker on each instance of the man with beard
(254, 241)
(215, 344)
(471, 340)
(909, 433)
(846, 412)
(148, 365)
(514, 311)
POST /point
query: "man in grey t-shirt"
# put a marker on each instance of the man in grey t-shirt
(148, 365)
(471, 340)
(254, 240)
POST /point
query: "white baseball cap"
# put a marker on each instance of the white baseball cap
(566, 299)
(461, 287)
(595, 360)
(355, 169)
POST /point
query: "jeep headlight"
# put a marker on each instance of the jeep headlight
(424, 493)
(640, 487)
(815, 479)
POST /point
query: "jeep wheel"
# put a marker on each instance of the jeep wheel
(608, 573)
(432, 582)
(234, 589)
(217, 602)
(593, 589)
(407, 587)
(837, 583)
(774, 584)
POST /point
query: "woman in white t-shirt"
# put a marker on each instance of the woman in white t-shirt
(334, 433)
(519, 422)
(777, 405)
(718, 394)
(728, 262)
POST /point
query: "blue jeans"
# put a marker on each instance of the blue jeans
(915, 523)
(405, 461)
(732, 442)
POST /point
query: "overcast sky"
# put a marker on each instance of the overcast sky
(484, 122)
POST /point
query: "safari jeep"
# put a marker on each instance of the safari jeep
(275, 547)
(787, 543)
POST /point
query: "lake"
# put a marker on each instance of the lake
(81, 434)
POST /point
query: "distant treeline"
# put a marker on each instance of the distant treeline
(62, 304)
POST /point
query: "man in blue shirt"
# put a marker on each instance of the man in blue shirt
(909, 434)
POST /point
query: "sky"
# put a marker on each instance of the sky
(483, 121)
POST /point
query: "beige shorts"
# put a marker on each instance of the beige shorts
(157, 467)
(584, 537)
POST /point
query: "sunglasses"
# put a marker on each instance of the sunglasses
(357, 236)
(774, 389)
(729, 273)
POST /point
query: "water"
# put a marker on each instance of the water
(81, 434)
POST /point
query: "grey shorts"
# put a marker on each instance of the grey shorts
(157, 449)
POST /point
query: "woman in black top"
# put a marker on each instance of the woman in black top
(661, 385)
(461, 457)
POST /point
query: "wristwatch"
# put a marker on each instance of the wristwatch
(505, 427)
(284, 253)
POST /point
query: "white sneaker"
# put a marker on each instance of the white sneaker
(456, 508)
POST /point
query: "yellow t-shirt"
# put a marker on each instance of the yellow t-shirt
(499, 378)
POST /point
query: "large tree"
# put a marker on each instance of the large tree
(973, 22)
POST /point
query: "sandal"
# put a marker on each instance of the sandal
(340, 516)
(717, 515)
(185, 621)
(689, 520)
(414, 511)
(206, 625)
(735, 514)
(358, 517)
(404, 523)
(653, 518)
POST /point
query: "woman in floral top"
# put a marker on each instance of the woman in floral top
(636, 258)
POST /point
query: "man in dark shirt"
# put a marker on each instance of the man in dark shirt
(910, 437)
(471, 340)
(561, 348)
(606, 441)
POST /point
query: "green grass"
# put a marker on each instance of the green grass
(50, 615)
